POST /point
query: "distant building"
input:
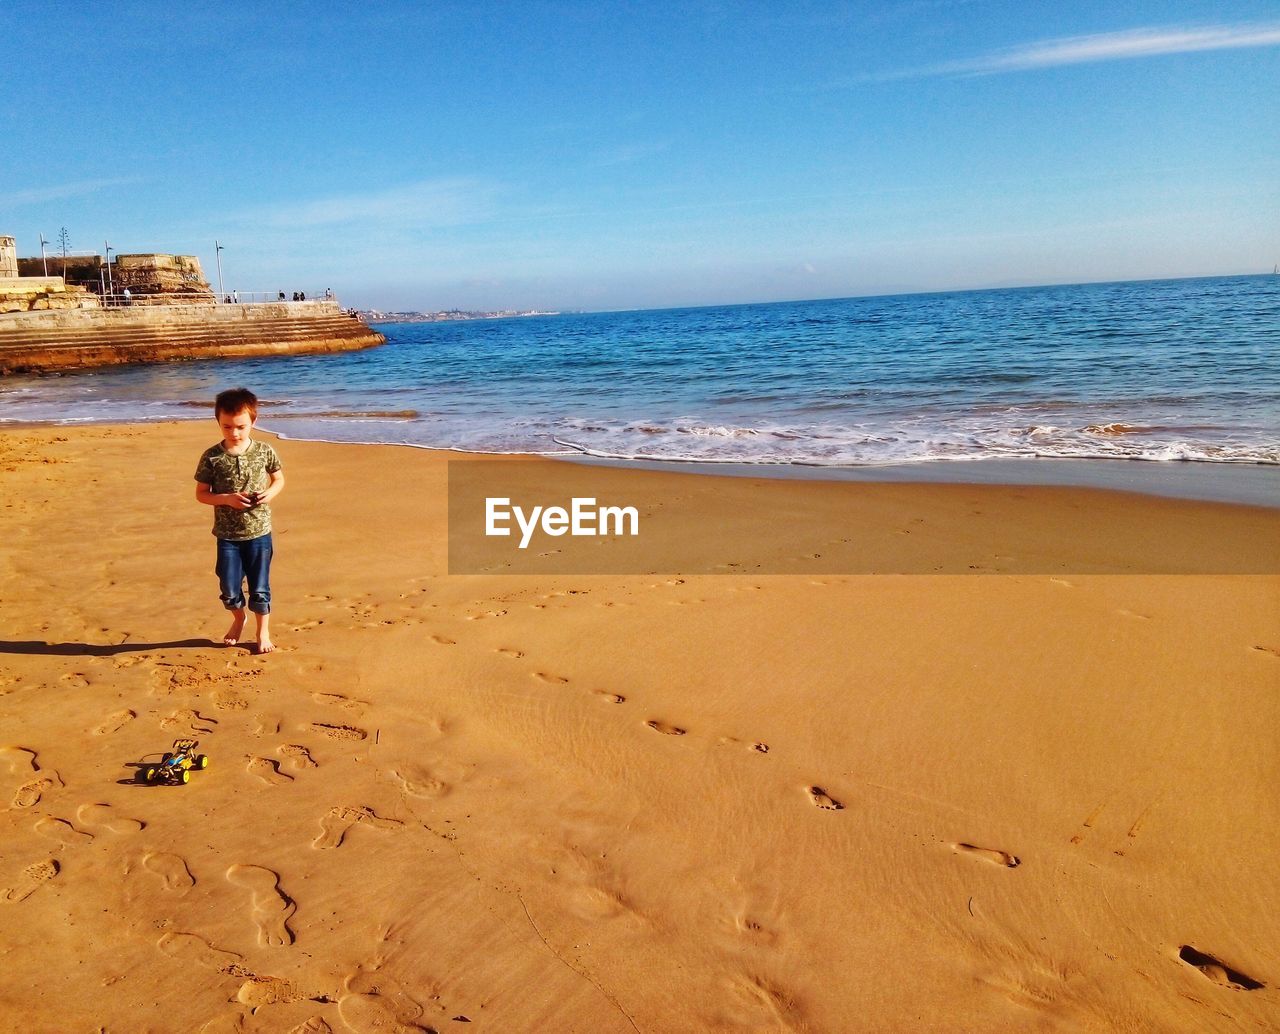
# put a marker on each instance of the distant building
(26, 292)
(160, 279)
(8, 257)
(152, 279)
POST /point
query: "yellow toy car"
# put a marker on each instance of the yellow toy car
(176, 765)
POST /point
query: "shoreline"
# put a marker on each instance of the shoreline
(1245, 484)
(1230, 483)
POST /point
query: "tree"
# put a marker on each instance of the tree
(64, 241)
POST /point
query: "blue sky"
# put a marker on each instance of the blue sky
(618, 155)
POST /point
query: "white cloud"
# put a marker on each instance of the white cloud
(430, 203)
(41, 195)
(1107, 46)
(625, 154)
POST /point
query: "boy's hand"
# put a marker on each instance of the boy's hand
(240, 500)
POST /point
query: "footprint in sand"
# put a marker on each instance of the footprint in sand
(315, 1025)
(229, 1023)
(371, 1014)
(102, 815)
(338, 700)
(1217, 971)
(271, 907)
(821, 799)
(171, 868)
(444, 640)
(340, 732)
(988, 854)
(268, 771)
(19, 760)
(610, 698)
(508, 651)
(297, 755)
(338, 821)
(228, 699)
(75, 678)
(115, 722)
(195, 951)
(29, 794)
(760, 748)
(33, 878)
(754, 930)
(268, 725)
(62, 831)
(555, 680)
(419, 782)
(259, 991)
(666, 728)
(754, 1003)
(188, 719)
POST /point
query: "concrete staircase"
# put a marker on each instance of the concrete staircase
(37, 342)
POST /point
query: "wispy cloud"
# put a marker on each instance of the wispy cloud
(1107, 46)
(429, 203)
(42, 195)
(625, 154)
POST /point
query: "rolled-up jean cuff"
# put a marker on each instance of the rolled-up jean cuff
(239, 562)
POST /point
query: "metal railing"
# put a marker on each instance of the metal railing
(248, 297)
(119, 300)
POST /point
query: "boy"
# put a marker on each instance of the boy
(238, 477)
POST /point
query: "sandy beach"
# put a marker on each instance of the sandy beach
(996, 759)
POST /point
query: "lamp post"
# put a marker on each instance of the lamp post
(217, 253)
(111, 290)
(44, 261)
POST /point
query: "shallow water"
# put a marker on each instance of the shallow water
(1153, 370)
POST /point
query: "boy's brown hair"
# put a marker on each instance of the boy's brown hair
(233, 400)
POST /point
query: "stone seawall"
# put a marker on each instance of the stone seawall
(77, 339)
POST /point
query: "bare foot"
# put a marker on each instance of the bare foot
(237, 628)
(265, 645)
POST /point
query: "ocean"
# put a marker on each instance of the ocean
(1159, 371)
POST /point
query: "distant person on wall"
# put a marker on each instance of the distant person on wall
(302, 296)
(281, 296)
(128, 298)
(235, 297)
(295, 296)
(328, 294)
(239, 477)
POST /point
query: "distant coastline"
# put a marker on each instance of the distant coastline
(447, 315)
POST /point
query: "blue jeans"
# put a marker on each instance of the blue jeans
(250, 560)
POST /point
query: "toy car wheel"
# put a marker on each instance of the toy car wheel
(186, 776)
(202, 761)
(148, 775)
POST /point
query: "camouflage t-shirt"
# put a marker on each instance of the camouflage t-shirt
(248, 472)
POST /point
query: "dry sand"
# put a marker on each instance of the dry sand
(803, 802)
